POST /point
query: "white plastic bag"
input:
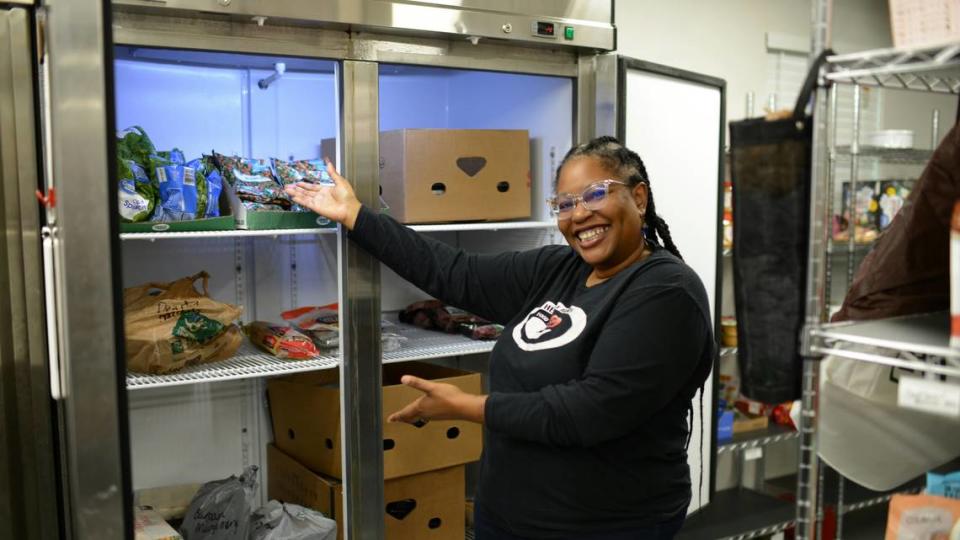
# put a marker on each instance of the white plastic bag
(277, 521)
(221, 509)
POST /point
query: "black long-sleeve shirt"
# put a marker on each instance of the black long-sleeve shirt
(586, 420)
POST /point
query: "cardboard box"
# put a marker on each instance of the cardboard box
(915, 23)
(743, 423)
(306, 422)
(225, 222)
(438, 175)
(427, 506)
(259, 220)
(148, 525)
(169, 502)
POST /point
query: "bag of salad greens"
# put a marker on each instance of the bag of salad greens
(137, 195)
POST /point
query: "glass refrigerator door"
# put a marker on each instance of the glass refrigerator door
(675, 120)
(28, 483)
(253, 121)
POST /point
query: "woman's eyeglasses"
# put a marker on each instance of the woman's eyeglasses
(563, 204)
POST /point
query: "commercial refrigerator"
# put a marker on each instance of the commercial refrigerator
(278, 79)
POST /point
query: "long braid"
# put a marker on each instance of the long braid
(630, 167)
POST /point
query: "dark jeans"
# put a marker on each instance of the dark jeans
(667, 530)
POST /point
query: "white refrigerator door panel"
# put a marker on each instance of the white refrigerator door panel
(675, 126)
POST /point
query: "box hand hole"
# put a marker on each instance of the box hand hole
(292, 434)
(435, 523)
(503, 187)
(471, 165)
(329, 444)
(453, 433)
(438, 188)
(401, 509)
(389, 444)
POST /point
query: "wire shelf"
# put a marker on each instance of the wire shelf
(739, 514)
(153, 236)
(485, 226)
(927, 334)
(425, 344)
(930, 69)
(889, 155)
(248, 363)
(876, 501)
(842, 247)
(442, 227)
(752, 439)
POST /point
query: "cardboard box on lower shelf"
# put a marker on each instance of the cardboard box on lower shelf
(149, 525)
(306, 422)
(743, 423)
(426, 506)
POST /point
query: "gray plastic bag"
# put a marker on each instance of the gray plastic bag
(277, 521)
(221, 509)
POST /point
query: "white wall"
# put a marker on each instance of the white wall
(728, 39)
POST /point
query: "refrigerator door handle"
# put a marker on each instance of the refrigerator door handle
(53, 330)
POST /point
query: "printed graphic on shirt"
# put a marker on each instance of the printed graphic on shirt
(549, 326)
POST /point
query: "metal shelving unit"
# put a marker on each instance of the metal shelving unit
(928, 69)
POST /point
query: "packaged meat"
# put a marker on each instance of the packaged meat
(281, 341)
(434, 315)
(322, 325)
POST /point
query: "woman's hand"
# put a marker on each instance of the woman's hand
(337, 202)
(440, 402)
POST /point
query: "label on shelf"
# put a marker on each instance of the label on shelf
(930, 396)
(751, 454)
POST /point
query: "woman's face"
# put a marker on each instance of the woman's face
(610, 237)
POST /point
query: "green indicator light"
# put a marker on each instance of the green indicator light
(568, 32)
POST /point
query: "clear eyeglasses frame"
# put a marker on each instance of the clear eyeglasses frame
(592, 198)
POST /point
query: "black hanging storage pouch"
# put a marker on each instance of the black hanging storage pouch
(770, 168)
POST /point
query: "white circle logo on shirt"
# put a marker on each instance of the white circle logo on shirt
(549, 326)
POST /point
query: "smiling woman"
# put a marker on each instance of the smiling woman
(606, 343)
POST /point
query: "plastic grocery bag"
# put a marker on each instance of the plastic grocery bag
(278, 521)
(221, 509)
(168, 326)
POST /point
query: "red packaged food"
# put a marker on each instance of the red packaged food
(281, 341)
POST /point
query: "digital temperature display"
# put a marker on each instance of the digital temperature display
(545, 29)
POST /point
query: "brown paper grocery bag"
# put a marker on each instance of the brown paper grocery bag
(169, 326)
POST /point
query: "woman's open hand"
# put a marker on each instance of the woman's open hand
(440, 401)
(336, 203)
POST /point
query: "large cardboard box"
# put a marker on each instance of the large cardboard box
(306, 422)
(438, 175)
(426, 506)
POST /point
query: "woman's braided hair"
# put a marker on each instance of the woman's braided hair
(617, 157)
